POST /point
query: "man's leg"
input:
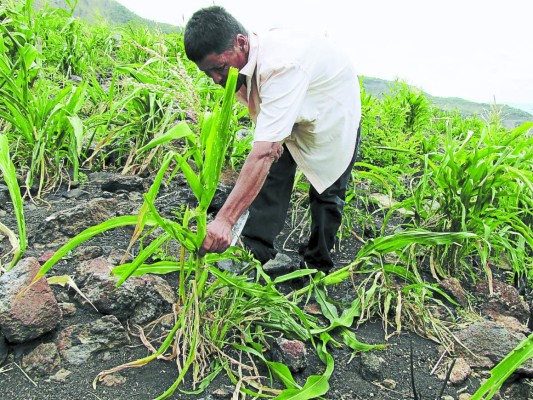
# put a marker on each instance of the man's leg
(269, 209)
(326, 218)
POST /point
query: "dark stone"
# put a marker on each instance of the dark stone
(371, 369)
(5, 197)
(505, 300)
(292, 353)
(78, 343)
(68, 223)
(117, 183)
(485, 344)
(452, 287)
(141, 298)
(4, 349)
(43, 360)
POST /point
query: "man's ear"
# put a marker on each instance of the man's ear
(241, 42)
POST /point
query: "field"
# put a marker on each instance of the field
(435, 197)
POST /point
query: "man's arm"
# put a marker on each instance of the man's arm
(248, 185)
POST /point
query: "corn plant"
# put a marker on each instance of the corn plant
(151, 97)
(385, 287)
(227, 310)
(43, 118)
(400, 119)
(481, 183)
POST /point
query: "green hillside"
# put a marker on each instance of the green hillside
(511, 116)
(110, 11)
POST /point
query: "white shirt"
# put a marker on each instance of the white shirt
(304, 92)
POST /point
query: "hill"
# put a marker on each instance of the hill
(511, 116)
(115, 14)
(110, 11)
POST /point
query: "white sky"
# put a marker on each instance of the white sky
(479, 50)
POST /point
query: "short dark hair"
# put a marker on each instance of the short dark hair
(210, 30)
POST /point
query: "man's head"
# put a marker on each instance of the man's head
(215, 41)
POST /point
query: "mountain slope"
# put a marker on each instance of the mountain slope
(110, 11)
(511, 116)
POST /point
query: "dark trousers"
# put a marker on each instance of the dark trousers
(269, 211)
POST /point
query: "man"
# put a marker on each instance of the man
(303, 97)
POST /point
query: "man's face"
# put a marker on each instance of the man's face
(217, 66)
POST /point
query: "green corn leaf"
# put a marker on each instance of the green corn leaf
(82, 237)
(138, 75)
(77, 126)
(190, 175)
(348, 337)
(215, 141)
(10, 177)
(160, 268)
(388, 244)
(178, 131)
(142, 257)
(328, 309)
(182, 234)
(280, 370)
(144, 214)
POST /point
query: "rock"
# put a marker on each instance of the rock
(60, 376)
(313, 308)
(43, 360)
(118, 256)
(141, 298)
(371, 367)
(223, 393)
(115, 182)
(5, 197)
(84, 253)
(487, 343)
(29, 316)
(48, 254)
(505, 300)
(389, 384)
(512, 324)
(113, 380)
(452, 287)
(281, 264)
(292, 353)
(70, 222)
(75, 194)
(76, 78)
(68, 309)
(4, 349)
(460, 372)
(78, 343)
(219, 198)
(519, 390)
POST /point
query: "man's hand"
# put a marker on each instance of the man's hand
(218, 237)
(276, 151)
(251, 178)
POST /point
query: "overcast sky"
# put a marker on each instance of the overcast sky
(479, 50)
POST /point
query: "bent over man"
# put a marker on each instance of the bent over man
(303, 96)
